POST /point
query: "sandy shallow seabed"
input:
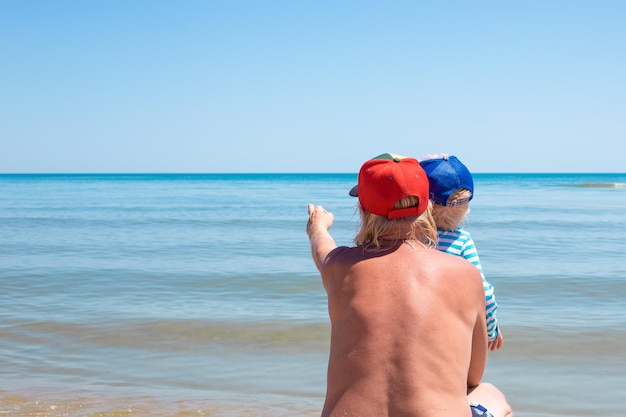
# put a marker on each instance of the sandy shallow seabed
(12, 404)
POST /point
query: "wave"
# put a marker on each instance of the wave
(601, 185)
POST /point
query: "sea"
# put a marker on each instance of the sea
(195, 294)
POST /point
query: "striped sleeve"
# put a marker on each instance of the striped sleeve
(459, 242)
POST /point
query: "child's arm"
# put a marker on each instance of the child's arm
(470, 253)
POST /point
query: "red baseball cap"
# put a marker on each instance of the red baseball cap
(387, 179)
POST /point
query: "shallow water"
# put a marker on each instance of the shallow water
(195, 295)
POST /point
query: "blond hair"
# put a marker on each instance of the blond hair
(452, 216)
(379, 233)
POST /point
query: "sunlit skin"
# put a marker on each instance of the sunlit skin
(408, 331)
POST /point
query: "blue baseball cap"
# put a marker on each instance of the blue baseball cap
(446, 174)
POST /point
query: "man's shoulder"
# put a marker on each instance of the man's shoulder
(344, 254)
(452, 263)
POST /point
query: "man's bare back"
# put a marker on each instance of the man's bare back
(401, 322)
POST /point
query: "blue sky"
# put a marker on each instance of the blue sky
(310, 86)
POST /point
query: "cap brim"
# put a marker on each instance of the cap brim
(354, 192)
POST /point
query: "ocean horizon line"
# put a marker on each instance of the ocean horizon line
(282, 173)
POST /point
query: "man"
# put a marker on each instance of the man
(408, 332)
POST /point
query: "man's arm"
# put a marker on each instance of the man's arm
(478, 360)
(320, 221)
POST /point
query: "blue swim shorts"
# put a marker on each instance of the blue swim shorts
(479, 411)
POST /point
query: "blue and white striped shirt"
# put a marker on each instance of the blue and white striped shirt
(459, 242)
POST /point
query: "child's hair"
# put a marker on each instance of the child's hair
(453, 215)
(379, 233)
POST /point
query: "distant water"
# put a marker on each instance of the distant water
(195, 295)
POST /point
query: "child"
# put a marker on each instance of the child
(451, 189)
